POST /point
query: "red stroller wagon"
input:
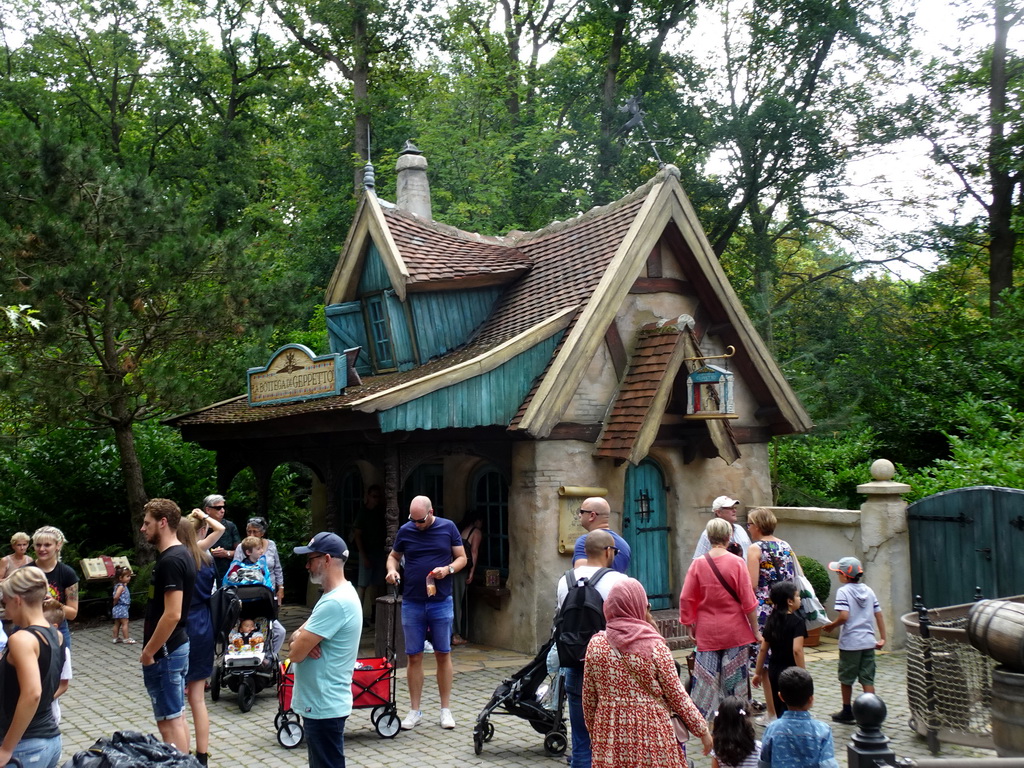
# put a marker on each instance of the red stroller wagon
(374, 682)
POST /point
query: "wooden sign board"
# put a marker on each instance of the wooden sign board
(569, 499)
(294, 373)
(99, 568)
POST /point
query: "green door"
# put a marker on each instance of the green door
(647, 533)
(964, 540)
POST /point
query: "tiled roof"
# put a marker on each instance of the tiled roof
(437, 253)
(655, 349)
(568, 261)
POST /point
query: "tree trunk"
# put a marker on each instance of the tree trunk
(1002, 237)
(135, 488)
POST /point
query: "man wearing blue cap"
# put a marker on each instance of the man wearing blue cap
(323, 652)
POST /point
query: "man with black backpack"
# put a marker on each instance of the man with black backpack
(581, 594)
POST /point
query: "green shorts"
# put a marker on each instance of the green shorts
(857, 666)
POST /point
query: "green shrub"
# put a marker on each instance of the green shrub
(817, 574)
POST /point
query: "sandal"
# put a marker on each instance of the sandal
(117, 639)
(128, 641)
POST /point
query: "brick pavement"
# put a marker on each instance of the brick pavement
(107, 694)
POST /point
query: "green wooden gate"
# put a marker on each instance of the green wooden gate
(965, 539)
(647, 534)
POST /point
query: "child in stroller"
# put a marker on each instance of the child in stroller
(243, 615)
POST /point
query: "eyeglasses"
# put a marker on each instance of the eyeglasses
(314, 557)
(613, 549)
(215, 507)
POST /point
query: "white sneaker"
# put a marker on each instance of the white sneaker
(411, 720)
(427, 647)
(447, 721)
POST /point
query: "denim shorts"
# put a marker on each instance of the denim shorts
(165, 683)
(38, 753)
(417, 615)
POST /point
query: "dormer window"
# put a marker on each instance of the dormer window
(380, 332)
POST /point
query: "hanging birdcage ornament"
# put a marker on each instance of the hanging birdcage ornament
(709, 389)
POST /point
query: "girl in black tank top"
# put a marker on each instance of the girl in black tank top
(33, 657)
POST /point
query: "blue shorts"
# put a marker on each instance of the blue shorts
(417, 615)
(165, 683)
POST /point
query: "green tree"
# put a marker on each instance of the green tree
(139, 299)
(973, 119)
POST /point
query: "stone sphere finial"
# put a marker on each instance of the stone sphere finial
(883, 470)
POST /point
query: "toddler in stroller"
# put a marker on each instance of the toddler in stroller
(243, 616)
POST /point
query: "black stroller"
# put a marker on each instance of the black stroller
(534, 695)
(244, 670)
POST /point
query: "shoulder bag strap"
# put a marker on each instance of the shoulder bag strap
(718, 573)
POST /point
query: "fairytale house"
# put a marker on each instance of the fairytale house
(520, 374)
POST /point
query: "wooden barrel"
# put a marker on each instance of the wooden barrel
(1008, 712)
(996, 628)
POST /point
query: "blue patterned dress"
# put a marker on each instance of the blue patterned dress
(778, 563)
(120, 610)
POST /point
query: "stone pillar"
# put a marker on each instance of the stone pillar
(885, 541)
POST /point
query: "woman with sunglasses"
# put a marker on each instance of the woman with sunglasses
(29, 674)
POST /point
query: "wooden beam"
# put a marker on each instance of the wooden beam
(751, 434)
(662, 285)
(565, 430)
(654, 262)
(616, 349)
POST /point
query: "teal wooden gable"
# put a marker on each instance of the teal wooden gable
(491, 398)
(445, 320)
(396, 335)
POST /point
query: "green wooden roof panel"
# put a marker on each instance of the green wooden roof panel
(491, 398)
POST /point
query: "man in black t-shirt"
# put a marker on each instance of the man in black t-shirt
(165, 653)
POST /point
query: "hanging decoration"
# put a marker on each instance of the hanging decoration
(709, 389)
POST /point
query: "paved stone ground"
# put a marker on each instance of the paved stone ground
(107, 694)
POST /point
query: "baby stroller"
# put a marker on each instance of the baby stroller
(534, 693)
(245, 670)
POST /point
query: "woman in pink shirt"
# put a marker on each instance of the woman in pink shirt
(719, 608)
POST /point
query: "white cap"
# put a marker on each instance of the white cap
(723, 501)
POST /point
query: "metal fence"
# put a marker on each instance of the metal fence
(949, 682)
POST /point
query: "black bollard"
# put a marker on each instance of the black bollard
(869, 746)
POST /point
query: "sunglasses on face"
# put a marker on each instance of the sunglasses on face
(217, 507)
(421, 520)
(613, 549)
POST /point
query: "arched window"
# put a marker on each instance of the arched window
(350, 499)
(426, 480)
(489, 494)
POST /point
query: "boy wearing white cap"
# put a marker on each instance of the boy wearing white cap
(856, 603)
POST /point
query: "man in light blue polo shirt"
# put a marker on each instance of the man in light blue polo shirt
(323, 652)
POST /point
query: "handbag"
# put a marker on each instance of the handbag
(811, 609)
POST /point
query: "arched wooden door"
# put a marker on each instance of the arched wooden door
(647, 534)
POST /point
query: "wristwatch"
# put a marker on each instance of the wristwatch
(451, 569)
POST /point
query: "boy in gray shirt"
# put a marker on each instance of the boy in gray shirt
(856, 604)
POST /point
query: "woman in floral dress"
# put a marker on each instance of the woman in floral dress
(631, 687)
(769, 560)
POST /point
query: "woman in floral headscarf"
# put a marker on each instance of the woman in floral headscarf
(631, 688)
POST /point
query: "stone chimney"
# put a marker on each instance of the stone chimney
(413, 188)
